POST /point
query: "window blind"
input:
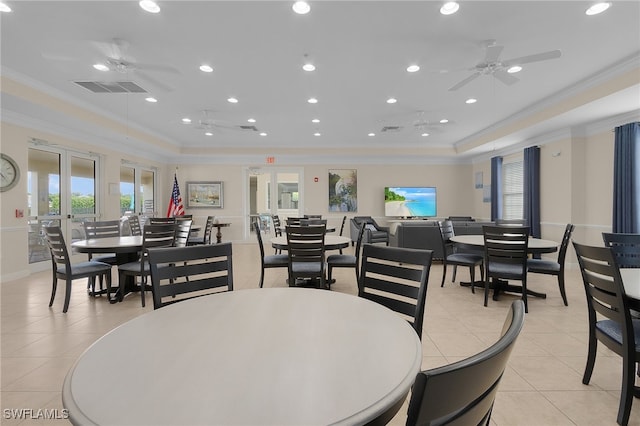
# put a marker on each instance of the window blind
(512, 190)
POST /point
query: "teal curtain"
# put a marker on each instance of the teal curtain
(626, 179)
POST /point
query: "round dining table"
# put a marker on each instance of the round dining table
(277, 356)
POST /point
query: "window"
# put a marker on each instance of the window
(512, 189)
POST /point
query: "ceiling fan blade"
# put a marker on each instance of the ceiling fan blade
(493, 52)
(155, 67)
(465, 81)
(505, 77)
(153, 81)
(552, 54)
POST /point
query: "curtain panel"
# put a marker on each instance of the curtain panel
(626, 179)
(531, 190)
(496, 188)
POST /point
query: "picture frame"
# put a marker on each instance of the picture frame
(205, 195)
(343, 190)
(478, 180)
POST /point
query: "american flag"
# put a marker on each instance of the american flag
(175, 204)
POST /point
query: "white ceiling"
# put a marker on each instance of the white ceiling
(361, 50)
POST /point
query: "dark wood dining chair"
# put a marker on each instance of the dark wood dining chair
(346, 260)
(452, 257)
(552, 267)
(183, 229)
(153, 236)
(63, 269)
(506, 249)
(396, 278)
(134, 225)
(463, 393)
(268, 261)
(610, 320)
(180, 273)
(305, 248)
(625, 247)
(101, 229)
(205, 238)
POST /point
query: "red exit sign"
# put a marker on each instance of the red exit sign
(271, 160)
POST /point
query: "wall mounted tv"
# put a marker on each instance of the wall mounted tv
(410, 201)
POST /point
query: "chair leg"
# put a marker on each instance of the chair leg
(455, 271)
(626, 393)
(444, 271)
(591, 358)
(472, 273)
(524, 294)
(329, 272)
(562, 291)
(262, 277)
(108, 277)
(486, 290)
(54, 287)
(143, 283)
(67, 295)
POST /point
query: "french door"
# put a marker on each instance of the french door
(62, 191)
(273, 191)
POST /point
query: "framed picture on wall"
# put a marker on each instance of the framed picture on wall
(204, 194)
(478, 180)
(343, 190)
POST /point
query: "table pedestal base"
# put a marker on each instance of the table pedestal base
(503, 286)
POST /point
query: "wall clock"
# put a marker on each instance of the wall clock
(9, 173)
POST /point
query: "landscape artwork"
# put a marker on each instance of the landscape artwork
(343, 190)
(204, 194)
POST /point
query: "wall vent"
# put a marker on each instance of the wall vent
(111, 86)
(388, 129)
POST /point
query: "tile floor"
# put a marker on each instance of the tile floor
(542, 384)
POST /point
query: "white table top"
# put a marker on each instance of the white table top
(631, 282)
(535, 244)
(264, 356)
(122, 243)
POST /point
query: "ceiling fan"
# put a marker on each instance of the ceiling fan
(491, 65)
(209, 124)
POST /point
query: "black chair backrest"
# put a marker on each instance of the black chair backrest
(392, 272)
(506, 245)
(180, 273)
(307, 222)
(57, 247)
(461, 218)
(463, 393)
(312, 216)
(294, 221)
(101, 229)
(208, 228)
(511, 222)
(160, 220)
(605, 294)
(306, 243)
(183, 228)
(344, 220)
(277, 226)
(157, 235)
(625, 247)
(134, 225)
(566, 238)
(256, 227)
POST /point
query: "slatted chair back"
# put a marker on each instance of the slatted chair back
(294, 221)
(625, 247)
(396, 278)
(277, 226)
(57, 247)
(511, 222)
(463, 393)
(610, 320)
(208, 230)
(564, 245)
(183, 228)
(505, 256)
(344, 220)
(101, 229)
(312, 216)
(180, 273)
(305, 248)
(134, 225)
(313, 221)
(160, 220)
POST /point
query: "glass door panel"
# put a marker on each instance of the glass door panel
(83, 194)
(127, 190)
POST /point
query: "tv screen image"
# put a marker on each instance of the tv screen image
(408, 201)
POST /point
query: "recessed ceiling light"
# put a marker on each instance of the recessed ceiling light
(424, 135)
(101, 67)
(471, 101)
(317, 134)
(514, 69)
(449, 8)
(309, 67)
(444, 121)
(232, 100)
(598, 8)
(4, 7)
(413, 68)
(208, 133)
(315, 120)
(186, 120)
(150, 6)
(206, 68)
(371, 134)
(263, 134)
(312, 100)
(392, 100)
(301, 7)
(251, 120)
(150, 99)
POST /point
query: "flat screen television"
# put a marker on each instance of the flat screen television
(410, 201)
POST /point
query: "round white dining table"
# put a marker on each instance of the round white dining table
(536, 245)
(331, 242)
(276, 356)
